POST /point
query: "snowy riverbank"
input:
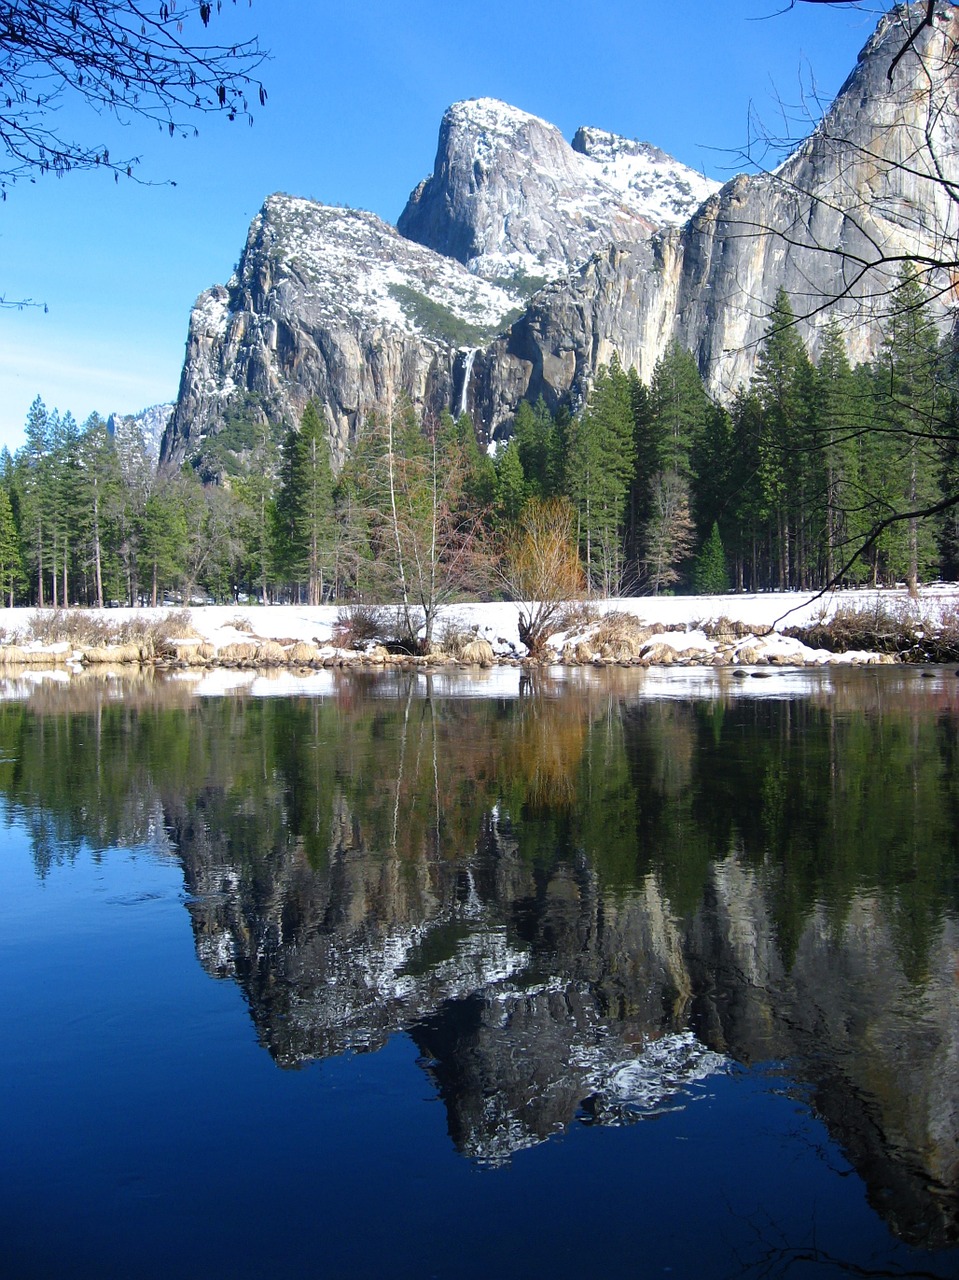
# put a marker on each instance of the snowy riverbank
(705, 631)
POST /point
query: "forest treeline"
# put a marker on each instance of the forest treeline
(815, 472)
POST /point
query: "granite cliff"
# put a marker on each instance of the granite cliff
(524, 262)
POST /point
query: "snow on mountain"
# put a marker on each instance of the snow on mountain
(512, 200)
(347, 260)
(665, 190)
(149, 424)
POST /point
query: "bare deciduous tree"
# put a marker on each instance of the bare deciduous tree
(119, 57)
(541, 569)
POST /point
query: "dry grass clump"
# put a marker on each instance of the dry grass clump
(899, 629)
(84, 629)
(302, 653)
(241, 623)
(725, 630)
(71, 626)
(14, 655)
(155, 636)
(478, 652)
(238, 651)
(113, 653)
(454, 638)
(270, 654)
(622, 636)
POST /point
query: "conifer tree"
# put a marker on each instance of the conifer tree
(838, 415)
(304, 505)
(34, 484)
(907, 457)
(678, 409)
(710, 576)
(599, 471)
(538, 445)
(511, 487)
(783, 385)
(98, 482)
(162, 535)
(11, 566)
(255, 492)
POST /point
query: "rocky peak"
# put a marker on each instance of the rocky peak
(667, 191)
(830, 225)
(614, 239)
(512, 200)
(350, 264)
(331, 304)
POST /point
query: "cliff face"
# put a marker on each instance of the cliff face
(332, 304)
(610, 239)
(830, 226)
(510, 198)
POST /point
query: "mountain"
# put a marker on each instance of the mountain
(513, 201)
(831, 226)
(524, 262)
(149, 424)
(331, 303)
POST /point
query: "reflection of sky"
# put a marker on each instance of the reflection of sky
(147, 1133)
(660, 683)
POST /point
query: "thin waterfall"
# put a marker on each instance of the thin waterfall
(469, 355)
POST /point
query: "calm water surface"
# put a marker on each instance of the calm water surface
(608, 975)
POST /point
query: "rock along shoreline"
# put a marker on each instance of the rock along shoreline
(739, 632)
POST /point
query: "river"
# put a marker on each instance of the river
(594, 973)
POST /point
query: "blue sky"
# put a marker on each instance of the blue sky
(356, 93)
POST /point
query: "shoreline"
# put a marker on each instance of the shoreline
(740, 632)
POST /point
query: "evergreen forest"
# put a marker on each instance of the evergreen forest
(817, 472)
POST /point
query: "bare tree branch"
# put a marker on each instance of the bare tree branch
(120, 58)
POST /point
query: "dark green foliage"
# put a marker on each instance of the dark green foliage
(304, 506)
(511, 487)
(538, 442)
(710, 575)
(905, 453)
(599, 471)
(11, 555)
(438, 322)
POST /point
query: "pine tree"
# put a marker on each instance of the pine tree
(511, 487)
(907, 458)
(599, 471)
(255, 491)
(34, 485)
(98, 483)
(162, 536)
(839, 430)
(710, 575)
(749, 509)
(304, 504)
(678, 409)
(783, 384)
(11, 560)
(538, 445)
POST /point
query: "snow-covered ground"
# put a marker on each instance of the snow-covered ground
(678, 663)
(499, 619)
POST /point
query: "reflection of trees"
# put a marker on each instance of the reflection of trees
(548, 892)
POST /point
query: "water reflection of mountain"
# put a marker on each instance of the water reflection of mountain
(579, 908)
